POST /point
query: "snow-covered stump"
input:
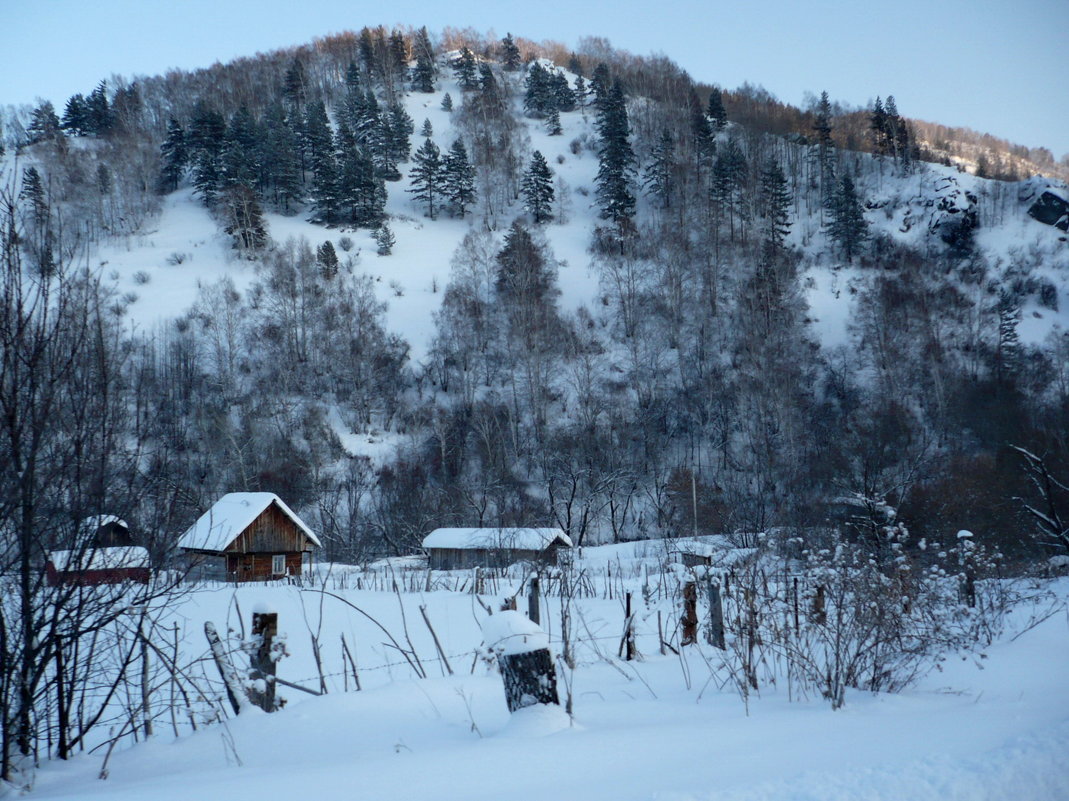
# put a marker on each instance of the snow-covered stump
(524, 658)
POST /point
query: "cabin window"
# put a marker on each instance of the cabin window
(278, 564)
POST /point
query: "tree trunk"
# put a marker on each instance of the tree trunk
(530, 678)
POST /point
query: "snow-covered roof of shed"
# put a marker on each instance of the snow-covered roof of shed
(99, 521)
(231, 515)
(100, 558)
(517, 539)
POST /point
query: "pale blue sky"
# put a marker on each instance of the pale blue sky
(994, 66)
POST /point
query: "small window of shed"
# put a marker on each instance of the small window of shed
(278, 564)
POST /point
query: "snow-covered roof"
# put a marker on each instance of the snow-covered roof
(231, 515)
(99, 558)
(95, 522)
(517, 539)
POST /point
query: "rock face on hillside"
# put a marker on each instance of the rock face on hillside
(1052, 208)
(954, 216)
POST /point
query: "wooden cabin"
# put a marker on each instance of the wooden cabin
(249, 536)
(93, 566)
(462, 548)
(103, 553)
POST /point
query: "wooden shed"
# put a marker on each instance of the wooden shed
(249, 536)
(103, 552)
(461, 548)
(93, 566)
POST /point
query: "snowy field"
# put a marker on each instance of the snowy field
(674, 728)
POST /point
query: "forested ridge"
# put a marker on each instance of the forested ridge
(705, 386)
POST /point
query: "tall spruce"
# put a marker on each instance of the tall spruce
(775, 204)
(426, 176)
(847, 225)
(537, 189)
(458, 178)
(510, 54)
(424, 73)
(44, 124)
(825, 146)
(466, 70)
(616, 159)
(717, 114)
(174, 156)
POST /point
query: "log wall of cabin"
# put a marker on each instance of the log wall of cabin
(257, 566)
(271, 532)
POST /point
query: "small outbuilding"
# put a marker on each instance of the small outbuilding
(462, 548)
(103, 552)
(93, 566)
(249, 536)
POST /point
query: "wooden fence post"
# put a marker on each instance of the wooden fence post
(716, 615)
(689, 620)
(533, 602)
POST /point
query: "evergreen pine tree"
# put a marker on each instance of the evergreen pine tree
(847, 226)
(600, 84)
(553, 126)
(878, 125)
(563, 96)
(466, 70)
(360, 193)
(424, 73)
(538, 96)
(510, 54)
(447, 102)
(174, 155)
(825, 147)
(98, 112)
(327, 259)
(427, 130)
(44, 124)
(616, 160)
(281, 157)
(458, 178)
(537, 189)
(317, 139)
(239, 158)
(716, 110)
(399, 128)
(580, 92)
(294, 87)
(35, 196)
(75, 115)
(702, 134)
(775, 202)
(354, 84)
(426, 176)
(385, 239)
(658, 179)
